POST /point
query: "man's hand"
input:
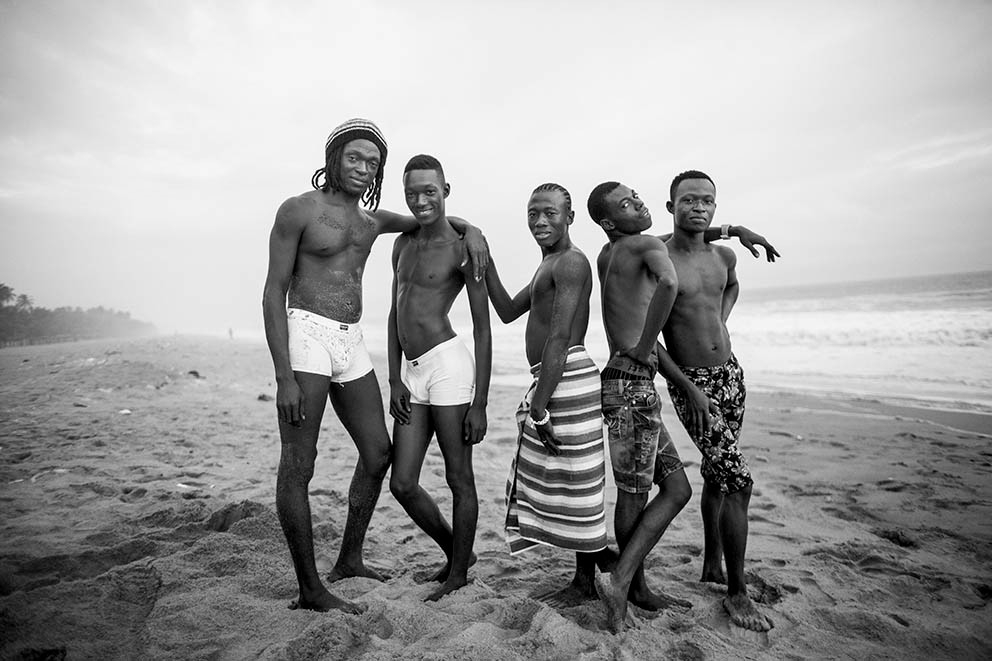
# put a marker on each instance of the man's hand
(475, 424)
(650, 360)
(476, 249)
(546, 434)
(748, 239)
(399, 402)
(700, 408)
(289, 402)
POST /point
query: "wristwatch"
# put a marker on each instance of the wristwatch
(725, 231)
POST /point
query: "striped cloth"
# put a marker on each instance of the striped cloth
(560, 500)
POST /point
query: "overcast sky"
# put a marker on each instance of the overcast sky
(145, 146)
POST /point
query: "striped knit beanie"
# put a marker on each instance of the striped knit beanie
(357, 129)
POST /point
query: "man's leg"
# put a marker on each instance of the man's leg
(410, 444)
(448, 421)
(711, 507)
(638, 531)
(358, 404)
(298, 452)
(733, 529)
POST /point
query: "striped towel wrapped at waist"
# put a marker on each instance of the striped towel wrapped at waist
(559, 500)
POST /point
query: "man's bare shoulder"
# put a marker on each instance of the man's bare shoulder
(727, 256)
(297, 210)
(572, 263)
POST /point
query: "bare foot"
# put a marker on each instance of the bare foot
(442, 574)
(339, 572)
(326, 601)
(745, 614)
(652, 601)
(615, 601)
(449, 586)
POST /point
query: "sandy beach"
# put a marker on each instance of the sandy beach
(138, 482)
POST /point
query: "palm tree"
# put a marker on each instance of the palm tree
(6, 294)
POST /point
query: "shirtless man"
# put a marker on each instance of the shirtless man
(432, 390)
(639, 284)
(318, 247)
(697, 339)
(555, 491)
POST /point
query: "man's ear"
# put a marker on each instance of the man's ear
(571, 216)
(447, 188)
(670, 207)
(607, 224)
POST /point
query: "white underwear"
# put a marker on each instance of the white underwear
(443, 376)
(319, 345)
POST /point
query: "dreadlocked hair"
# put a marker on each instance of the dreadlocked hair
(331, 172)
(556, 188)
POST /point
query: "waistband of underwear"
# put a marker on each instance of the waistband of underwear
(436, 349)
(306, 315)
(574, 353)
(709, 369)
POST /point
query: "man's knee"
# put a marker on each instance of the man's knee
(376, 463)
(461, 483)
(676, 487)
(402, 488)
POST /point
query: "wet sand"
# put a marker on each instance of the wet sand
(139, 522)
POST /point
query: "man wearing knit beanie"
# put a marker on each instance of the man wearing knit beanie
(318, 247)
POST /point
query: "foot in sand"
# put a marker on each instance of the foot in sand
(339, 572)
(442, 574)
(325, 601)
(615, 600)
(745, 614)
(448, 587)
(652, 601)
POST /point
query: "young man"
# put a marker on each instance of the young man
(431, 391)
(638, 286)
(318, 247)
(557, 478)
(697, 339)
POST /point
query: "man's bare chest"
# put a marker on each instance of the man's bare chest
(433, 267)
(329, 233)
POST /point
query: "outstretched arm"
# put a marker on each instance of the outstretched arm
(747, 238)
(475, 242)
(508, 309)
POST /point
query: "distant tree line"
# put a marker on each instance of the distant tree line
(23, 323)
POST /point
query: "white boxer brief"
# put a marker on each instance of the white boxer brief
(443, 376)
(319, 345)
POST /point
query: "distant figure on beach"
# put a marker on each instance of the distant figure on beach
(435, 386)
(638, 285)
(696, 337)
(555, 490)
(318, 247)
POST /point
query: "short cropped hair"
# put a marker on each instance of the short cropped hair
(424, 162)
(556, 188)
(688, 174)
(597, 200)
